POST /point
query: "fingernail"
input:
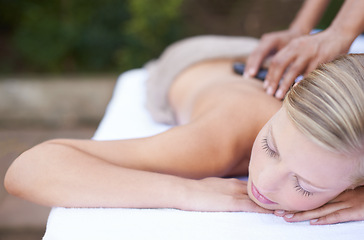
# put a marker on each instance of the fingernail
(279, 93)
(251, 72)
(270, 91)
(265, 84)
(280, 212)
(299, 78)
(314, 221)
(290, 215)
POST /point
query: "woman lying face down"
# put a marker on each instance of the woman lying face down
(301, 155)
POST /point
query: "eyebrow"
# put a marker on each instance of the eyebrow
(270, 133)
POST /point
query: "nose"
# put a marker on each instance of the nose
(270, 179)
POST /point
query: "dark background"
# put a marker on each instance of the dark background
(68, 36)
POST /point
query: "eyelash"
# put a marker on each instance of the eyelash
(271, 153)
(267, 149)
(302, 190)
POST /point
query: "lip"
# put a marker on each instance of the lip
(261, 198)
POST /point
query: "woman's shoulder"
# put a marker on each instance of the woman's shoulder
(213, 86)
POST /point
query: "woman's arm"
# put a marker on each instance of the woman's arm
(55, 174)
(125, 173)
(212, 145)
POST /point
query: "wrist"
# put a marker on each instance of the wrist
(179, 195)
(349, 22)
(191, 195)
(299, 30)
(344, 35)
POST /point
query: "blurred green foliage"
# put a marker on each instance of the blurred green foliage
(152, 26)
(83, 35)
(57, 36)
(330, 13)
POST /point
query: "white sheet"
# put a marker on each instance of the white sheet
(126, 117)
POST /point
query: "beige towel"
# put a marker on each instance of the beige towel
(181, 55)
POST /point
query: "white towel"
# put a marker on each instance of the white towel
(126, 117)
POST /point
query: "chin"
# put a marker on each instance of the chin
(268, 206)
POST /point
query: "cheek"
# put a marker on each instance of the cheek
(296, 202)
(258, 158)
(255, 162)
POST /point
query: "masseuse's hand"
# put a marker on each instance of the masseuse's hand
(269, 44)
(300, 56)
(348, 206)
(219, 194)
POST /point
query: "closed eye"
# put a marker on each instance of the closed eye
(301, 190)
(271, 153)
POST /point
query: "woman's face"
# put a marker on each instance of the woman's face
(288, 171)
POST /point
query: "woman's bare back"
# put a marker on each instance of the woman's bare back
(238, 105)
(205, 84)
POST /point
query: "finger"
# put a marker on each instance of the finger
(345, 196)
(243, 204)
(244, 187)
(248, 205)
(344, 215)
(292, 73)
(312, 66)
(276, 69)
(280, 213)
(257, 56)
(316, 213)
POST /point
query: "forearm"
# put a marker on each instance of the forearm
(349, 22)
(57, 175)
(308, 16)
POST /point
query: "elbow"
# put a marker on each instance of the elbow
(14, 181)
(9, 183)
(17, 178)
(24, 176)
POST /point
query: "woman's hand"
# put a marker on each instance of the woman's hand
(348, 206)
(219, 194)
(301, 56)
(269, 44)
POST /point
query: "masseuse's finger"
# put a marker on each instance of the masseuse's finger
(277, 67)
(295, 69)
(256, 58)
(312, 65)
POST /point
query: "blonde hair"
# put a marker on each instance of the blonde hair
(328, 107)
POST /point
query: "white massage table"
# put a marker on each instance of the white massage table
(126, 117)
